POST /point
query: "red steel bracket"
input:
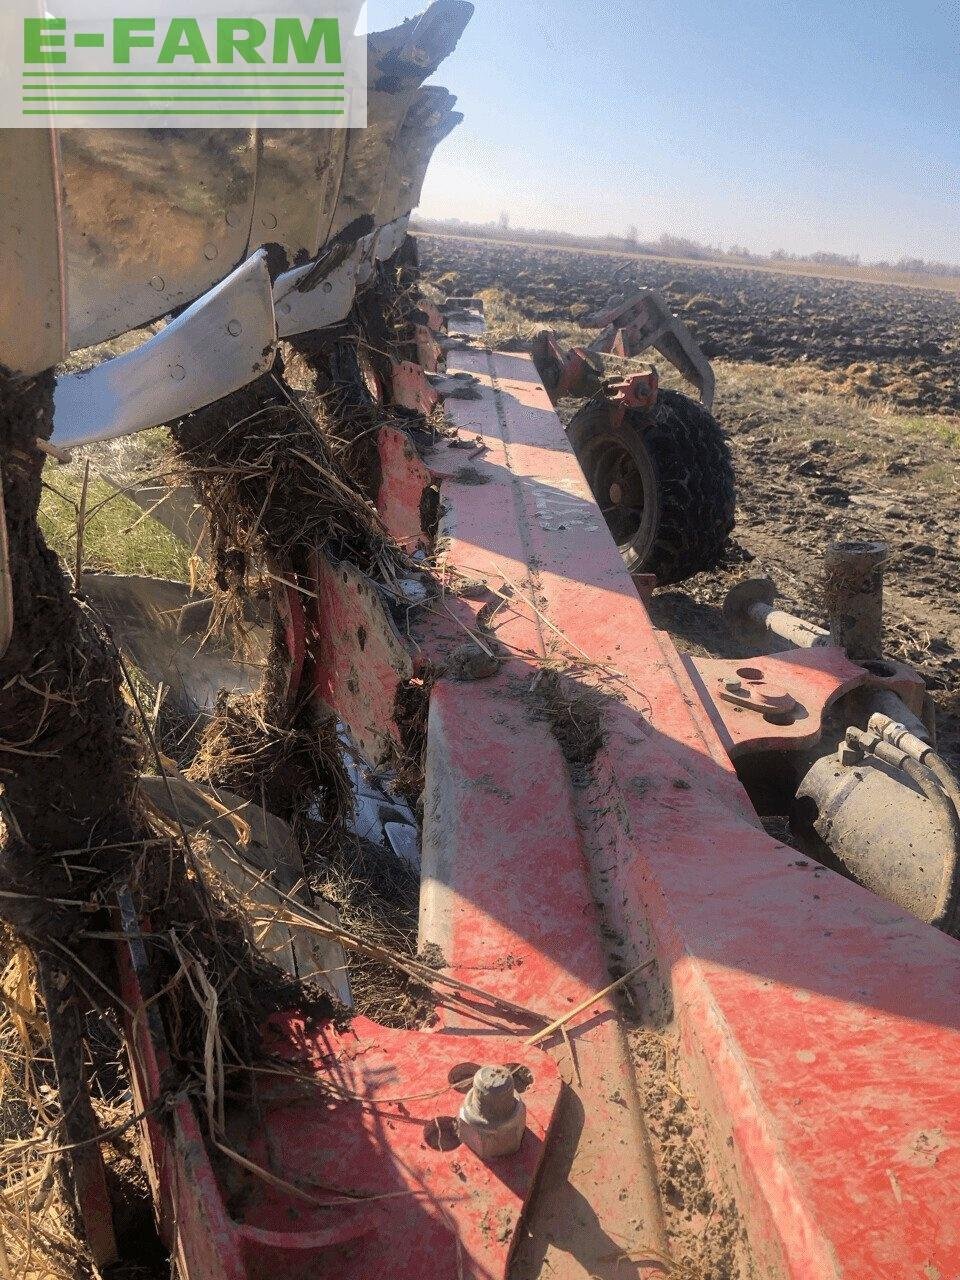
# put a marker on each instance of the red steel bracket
(778, 701)
(817, 1023)
(566, 371)
(432, 316)
(411, 388)
(429, 350)
(360, 658)
(639, 391)
(404, 479)
(364, 1174)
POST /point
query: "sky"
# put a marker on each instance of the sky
(775, 124)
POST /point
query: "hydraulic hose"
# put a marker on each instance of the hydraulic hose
(891, 731)
(928, 781)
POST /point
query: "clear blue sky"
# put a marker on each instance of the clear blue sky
(795, 124)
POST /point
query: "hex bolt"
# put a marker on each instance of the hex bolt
(492, 1118)
(853, 596)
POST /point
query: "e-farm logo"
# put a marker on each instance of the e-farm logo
(227, 69)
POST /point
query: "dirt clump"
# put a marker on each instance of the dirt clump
(707, 1239)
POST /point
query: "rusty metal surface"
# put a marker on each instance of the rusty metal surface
(853, 595)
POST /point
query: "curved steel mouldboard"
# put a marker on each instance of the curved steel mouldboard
(33, 306)
(108, 230)
(221, 342)
(152, 219)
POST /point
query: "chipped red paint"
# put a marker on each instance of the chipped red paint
(411, 388)
(404, 479)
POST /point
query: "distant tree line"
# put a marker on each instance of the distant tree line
(673, 246)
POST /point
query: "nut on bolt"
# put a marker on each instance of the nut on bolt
(492, 1119)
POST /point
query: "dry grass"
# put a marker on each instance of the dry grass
(510, 329)
(377, 895)
(274, 492)
(797, 400)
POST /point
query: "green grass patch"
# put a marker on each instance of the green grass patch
(930, 424)
(117, 534)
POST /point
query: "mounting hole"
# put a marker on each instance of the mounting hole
(440, 1134)
(749, 673)
(522, 1076)
(877, 667)
(461, 1076)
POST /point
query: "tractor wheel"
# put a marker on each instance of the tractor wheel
(663, 480)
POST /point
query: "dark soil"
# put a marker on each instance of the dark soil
(883, 339)
(68, 763)
(810, 471)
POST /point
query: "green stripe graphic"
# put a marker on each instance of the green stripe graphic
(54, 74)
(166, 111)
(179, 97)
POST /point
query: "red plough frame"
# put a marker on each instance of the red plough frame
(817, 1024)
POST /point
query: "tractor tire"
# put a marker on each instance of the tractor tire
(663, 480)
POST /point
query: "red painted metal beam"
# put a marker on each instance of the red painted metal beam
(819, 1024)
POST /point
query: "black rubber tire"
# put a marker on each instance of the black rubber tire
(678, 462)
